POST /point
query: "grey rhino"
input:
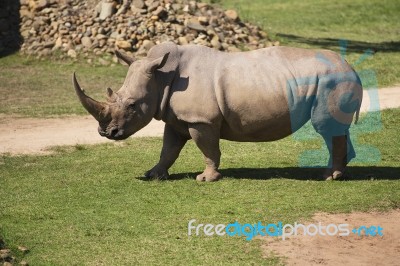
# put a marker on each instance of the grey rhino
(207, 95)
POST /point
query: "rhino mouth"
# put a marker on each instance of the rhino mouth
(113, 133)
(122, 137)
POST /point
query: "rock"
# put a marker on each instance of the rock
(176, 6)
(125, 45)
(203, 20)
(103, 62)
(160, 12)
(41, 4)
(107, 9)
(231, 14)
(71, 53)
(153, 6)
(47, 10)
(25, 34)
(147, 45)
(101, 36)
(32, 4)
(194, 24)
(25, 13)
(139, 4)
(182, 40)
(215, 43)
(138, 10)
(58, 43)
(44, 52)
(48, 44)
(36, 25)
(179, 29)
(24, 263)
(86, 42)
(5, 254)
(23, 249)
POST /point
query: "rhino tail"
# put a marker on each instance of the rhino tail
(359, 105)
(357, 114)
(361, 92)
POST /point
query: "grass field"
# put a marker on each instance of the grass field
(34, 88)
(88, 204)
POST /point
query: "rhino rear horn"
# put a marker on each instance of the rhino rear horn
(128, 60)
(95, 108)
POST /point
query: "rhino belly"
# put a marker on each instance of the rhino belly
(267, 127)
(262, 114)
(254, 92)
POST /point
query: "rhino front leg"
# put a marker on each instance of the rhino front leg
(173, 143)
(206, 138)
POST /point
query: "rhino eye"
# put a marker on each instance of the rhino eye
(132, 105)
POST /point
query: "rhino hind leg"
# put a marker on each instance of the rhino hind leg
(206, 138)
(341, 151)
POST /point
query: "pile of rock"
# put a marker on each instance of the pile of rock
(81, 28)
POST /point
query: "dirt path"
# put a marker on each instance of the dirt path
(33, 135)
(342, 250)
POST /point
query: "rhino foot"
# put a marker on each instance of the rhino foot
(329, 176)
(157, 172)
(209, 176)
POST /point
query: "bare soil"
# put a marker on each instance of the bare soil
(36, 136)
(342, 250)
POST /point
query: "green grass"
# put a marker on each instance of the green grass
(34, 88)
(321, 24)
(87, 205)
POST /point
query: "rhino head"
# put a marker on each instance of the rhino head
(143, 95)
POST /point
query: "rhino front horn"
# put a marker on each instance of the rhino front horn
(95, 108)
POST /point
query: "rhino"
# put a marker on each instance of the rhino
(254, 96)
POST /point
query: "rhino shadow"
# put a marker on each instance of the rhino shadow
(353, 173)
(352, 45)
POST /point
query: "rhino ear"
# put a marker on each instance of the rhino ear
(112, 97)
(157, 64)
(127, 59)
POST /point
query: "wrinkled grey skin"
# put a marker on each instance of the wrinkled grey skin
(207, 95)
